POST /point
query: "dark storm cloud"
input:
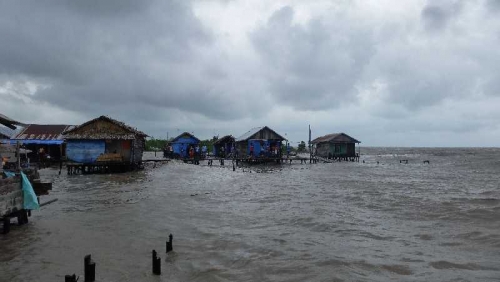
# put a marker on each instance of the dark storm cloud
(434, 17)
(312, 66)
(493, 5)
(109, 56)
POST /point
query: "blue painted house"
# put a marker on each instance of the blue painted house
(182, 143)
(260, 142)
(105, 139)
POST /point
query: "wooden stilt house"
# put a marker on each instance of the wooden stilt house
(223, 146)
(336, 146)
(183, 143)
(260, 143)
(105, 140)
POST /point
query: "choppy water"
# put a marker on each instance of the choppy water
(324, 222)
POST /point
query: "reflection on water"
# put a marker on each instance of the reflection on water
(324, 222)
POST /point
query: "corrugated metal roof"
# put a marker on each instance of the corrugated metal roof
(43, 132)
(335, 138)
(6, 133)
(100, 135)
(9, 122)
(253, 131)
(184, 133)
(249, 133)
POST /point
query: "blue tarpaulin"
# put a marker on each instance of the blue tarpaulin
(35, 141)
(30, 200)
(85, 151)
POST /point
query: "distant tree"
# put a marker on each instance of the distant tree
(301, 147)
(155, 144)
(209, 143)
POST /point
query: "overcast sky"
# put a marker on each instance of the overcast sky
(387, 72)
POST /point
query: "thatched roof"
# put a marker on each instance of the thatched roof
(131, 133)
(335, 138)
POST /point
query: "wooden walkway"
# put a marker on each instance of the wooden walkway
(81, 168)
(280, 160)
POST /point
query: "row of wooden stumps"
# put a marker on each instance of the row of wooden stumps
(89, 265)
(22, 218)
(157, 260)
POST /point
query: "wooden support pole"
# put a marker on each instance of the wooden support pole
(169, 243)
(89, 269)
(6, 225)
(18, 155)
(156, 264)
(70, 278)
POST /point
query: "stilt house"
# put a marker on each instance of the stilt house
(260, 142)
(182, 143)
(45, 141)
(336, 145)
(104, 139)
(226, 142)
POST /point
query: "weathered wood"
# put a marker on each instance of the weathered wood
(11, 196)
(41, 188)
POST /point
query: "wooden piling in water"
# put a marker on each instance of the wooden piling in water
(89, 269)
(156, 264)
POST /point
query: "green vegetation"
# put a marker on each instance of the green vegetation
(301, 147)
(155, 144)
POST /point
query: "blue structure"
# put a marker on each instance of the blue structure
(46, 137)
(262, 140)
(104, 139)
(85, 151)
(182, 143)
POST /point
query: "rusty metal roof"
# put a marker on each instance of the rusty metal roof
(100, 135)
(335, 138)
(42, 132)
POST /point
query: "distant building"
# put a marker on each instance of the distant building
(336, 145)
(226, 142)
(47, 138)
(183, 143)
(260, 142)
(104, 139)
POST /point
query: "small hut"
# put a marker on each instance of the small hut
(183, 143)
(45, 141)
(104, 139)
(260, 142)
(336, 146)
(223, 146)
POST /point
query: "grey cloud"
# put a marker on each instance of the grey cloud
(315, 66)
(98, 55)
(434, 17)
(493, 5)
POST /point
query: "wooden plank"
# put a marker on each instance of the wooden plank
(11, 196)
